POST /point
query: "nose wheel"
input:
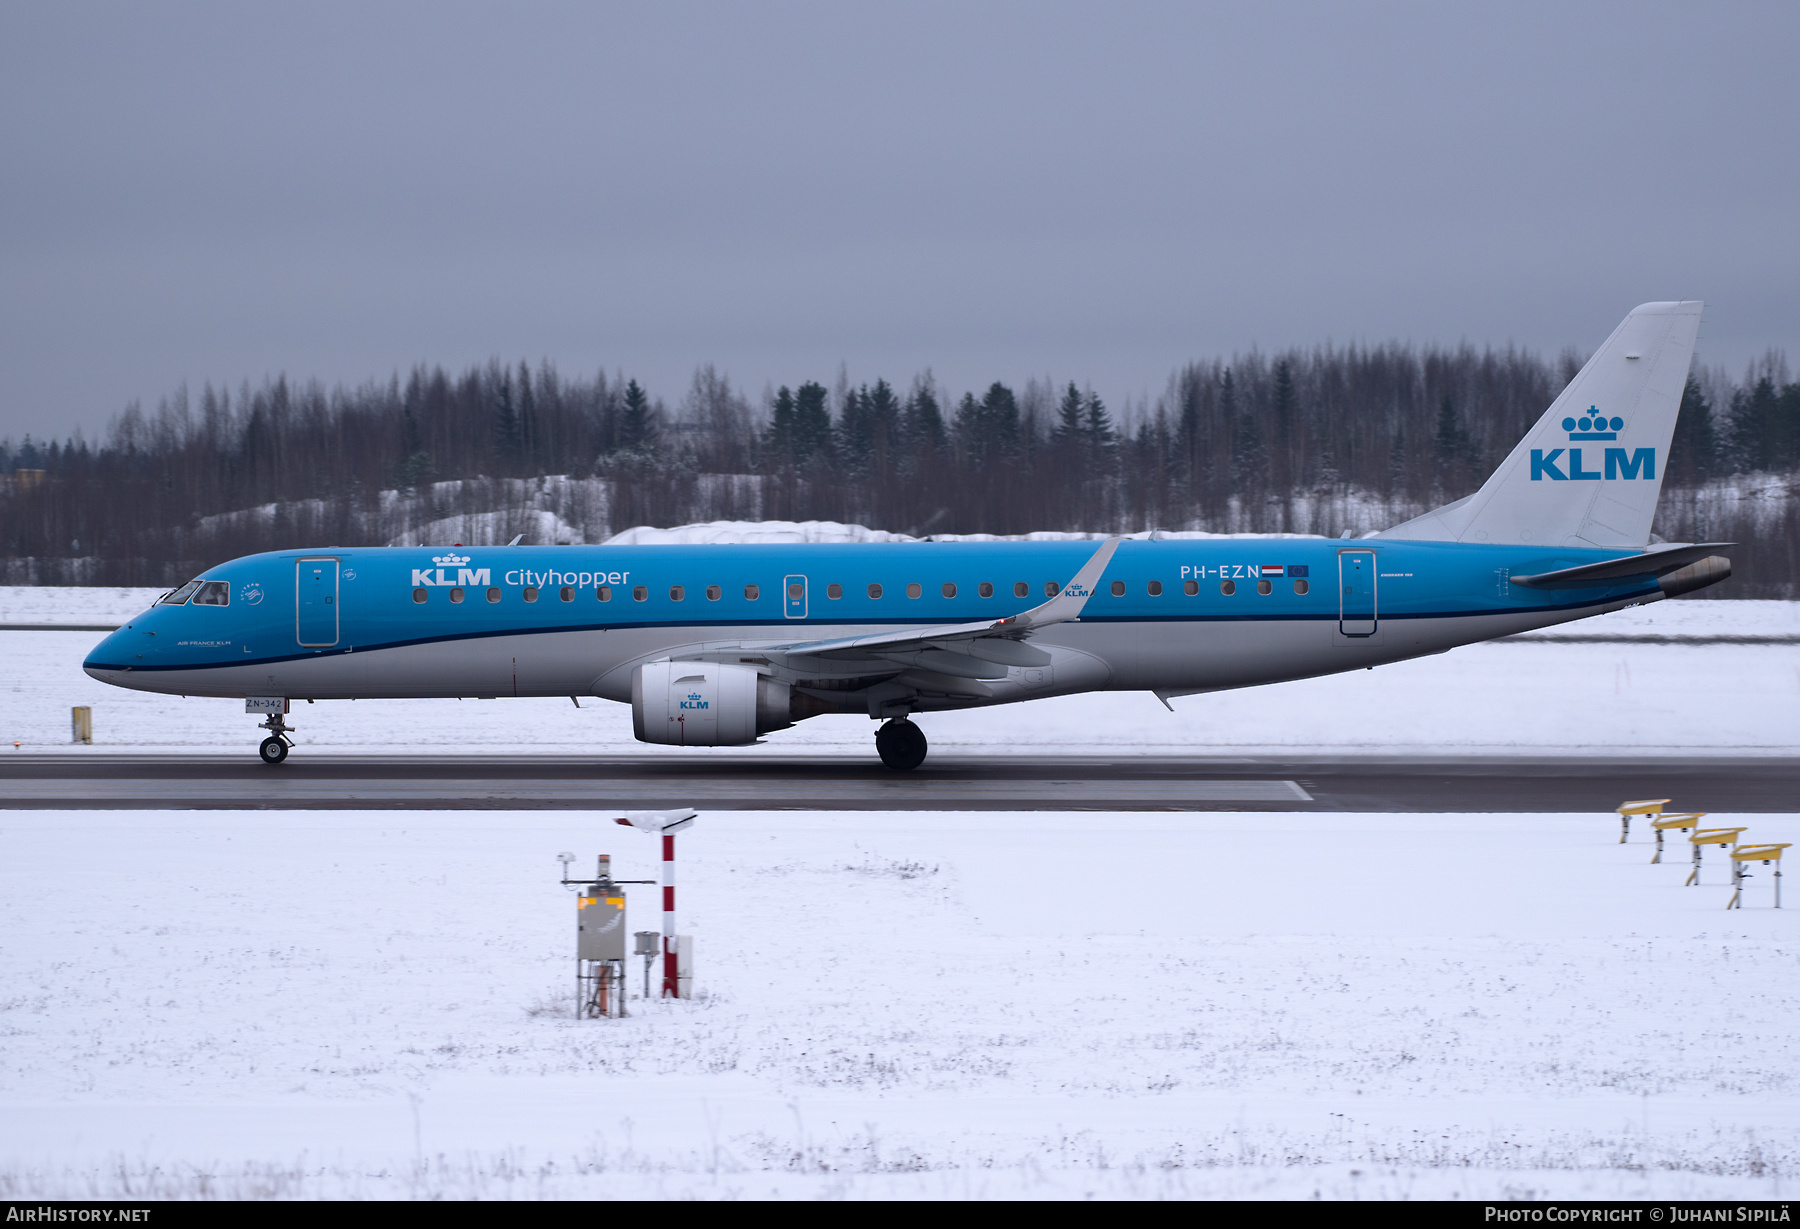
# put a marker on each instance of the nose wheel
(274, 748)
(901, 744)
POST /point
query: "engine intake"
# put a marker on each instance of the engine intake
(703, 704)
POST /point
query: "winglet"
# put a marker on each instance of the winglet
(1068, 603)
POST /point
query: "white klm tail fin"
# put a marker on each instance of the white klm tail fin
(1589, 472)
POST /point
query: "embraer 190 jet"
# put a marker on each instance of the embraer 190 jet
(719, 645)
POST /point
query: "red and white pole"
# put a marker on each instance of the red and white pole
(670, 988)
(665, 824)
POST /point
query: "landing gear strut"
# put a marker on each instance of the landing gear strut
(274, 748)
(901, 744)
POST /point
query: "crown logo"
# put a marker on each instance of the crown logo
(454, 560)
(1593, 425)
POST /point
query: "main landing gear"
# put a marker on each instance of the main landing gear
(274, 748)
(901, 744)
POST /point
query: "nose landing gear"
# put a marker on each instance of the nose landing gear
(274, 748)
(901, 745)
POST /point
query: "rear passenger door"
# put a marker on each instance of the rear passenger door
(1356, 593)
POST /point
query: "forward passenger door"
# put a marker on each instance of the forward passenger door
(316, 603)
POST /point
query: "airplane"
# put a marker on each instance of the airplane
(719, 645)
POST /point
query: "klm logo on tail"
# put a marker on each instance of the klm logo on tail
(1618, 464)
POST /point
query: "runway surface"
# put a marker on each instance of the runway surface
(748, 781)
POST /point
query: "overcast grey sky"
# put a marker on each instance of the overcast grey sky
(197, 192)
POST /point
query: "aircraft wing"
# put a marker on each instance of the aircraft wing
(1066, 606)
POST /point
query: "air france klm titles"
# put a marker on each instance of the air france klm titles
(1619, 463)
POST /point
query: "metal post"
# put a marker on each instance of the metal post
(670, 988)
(1658, 857)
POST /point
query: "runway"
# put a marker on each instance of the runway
(748, 781)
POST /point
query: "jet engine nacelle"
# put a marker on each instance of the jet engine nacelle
(703, 704)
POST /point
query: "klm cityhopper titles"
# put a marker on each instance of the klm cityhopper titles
(718, 645)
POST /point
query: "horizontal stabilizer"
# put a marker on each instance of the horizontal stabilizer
(1613, 571)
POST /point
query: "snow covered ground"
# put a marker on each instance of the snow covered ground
(1598, 698)
(917, 1005)
(904, 1005)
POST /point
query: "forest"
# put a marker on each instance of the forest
(1331, 440)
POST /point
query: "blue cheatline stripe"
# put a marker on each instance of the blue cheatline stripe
(797, 626)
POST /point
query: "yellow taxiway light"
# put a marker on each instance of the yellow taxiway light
(1754, 853)
(1676, 823)
(1643, 806)
(1708, 836)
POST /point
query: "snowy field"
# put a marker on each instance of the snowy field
(1602, 698)
(994, 1005)
(305, 1004)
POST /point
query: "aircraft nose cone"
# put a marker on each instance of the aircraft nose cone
(107, 659)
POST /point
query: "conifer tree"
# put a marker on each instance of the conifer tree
(1694, 450)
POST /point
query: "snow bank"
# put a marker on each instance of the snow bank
(714, 533)
(893, 1005)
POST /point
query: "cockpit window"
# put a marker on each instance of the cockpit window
(181, 595)
(213, 593)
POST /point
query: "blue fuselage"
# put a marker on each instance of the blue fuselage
(1171, 616)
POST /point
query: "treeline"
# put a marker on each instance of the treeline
(1329, 440)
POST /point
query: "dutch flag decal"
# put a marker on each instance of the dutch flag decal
(1272, 569)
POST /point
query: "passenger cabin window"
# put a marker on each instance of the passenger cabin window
(213, 593)
(1300, 587)
(1118, 588)
(181, 595)
(751, 593)
(913, 590)
(493, 595)
(604, 593)
(874, 590)
(1228, 587)
(1021, 589)
(456, 594)
(714, 593)
(1265, 587)
(676, 593)
(1191, 588)
(1051, 588)
(641, 593)
(834, 592)
(419, 595)
(985, 589)
(567, 594)
(1155, 588)
(531, 594)
(949, 589)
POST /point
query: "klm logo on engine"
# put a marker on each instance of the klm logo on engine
(693, 702)
(469, 577)
(1618, 464)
